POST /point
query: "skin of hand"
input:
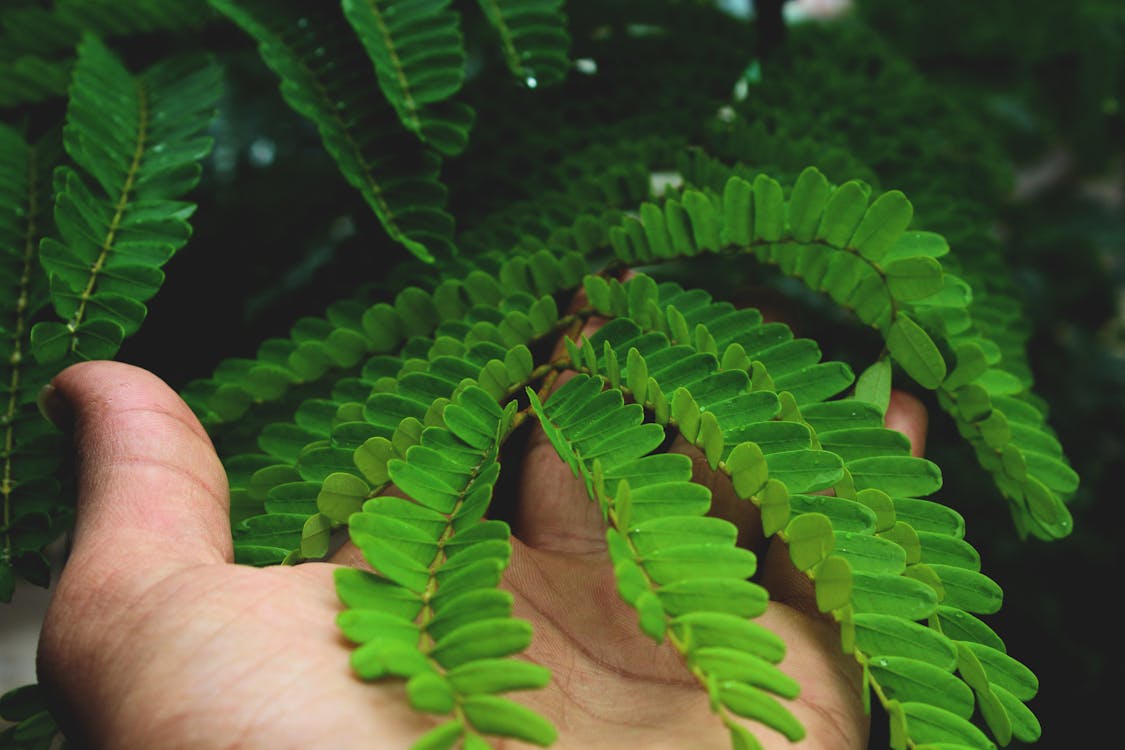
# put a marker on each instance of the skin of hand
(155, 639)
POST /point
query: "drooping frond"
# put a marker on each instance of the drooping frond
(31, 512)
(533, 38)
(867, 563)
(136, 142)
(303, 483)
(349, 334)
(327, 76)
(431, 613)
(861, 254)
(680, 569)
(419, 60)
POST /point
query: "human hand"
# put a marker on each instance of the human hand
(154, 639)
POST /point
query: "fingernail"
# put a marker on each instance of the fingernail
(54, 407)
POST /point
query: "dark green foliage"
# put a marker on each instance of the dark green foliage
(828, 169)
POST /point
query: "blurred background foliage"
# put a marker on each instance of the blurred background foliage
(1007, 114)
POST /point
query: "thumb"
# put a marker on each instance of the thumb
(150, 486)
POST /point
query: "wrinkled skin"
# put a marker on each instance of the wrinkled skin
(154, 639)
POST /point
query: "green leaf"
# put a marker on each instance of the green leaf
(341, 495)
(885, 594)
(493, 715)
(806, 203)
(806, 470)
(690, 561)
(833, 583)
(497, 676)
(732, 596)
(906, 679)
(928, 724)
(969, 590)
(362, 589)
(730, 665)
(962, 626)
(657, 533)
(888, 635)
(916, 352)
(362, 625)
(385, 657)
(843, 214)
(883, 224)
(874, 384)
(870, 554)
(773, 500)
(810, 539)
(946, 550)
(441, 737)
(1025, 727)
(676, 498)
(705, 629)
(431, 693)
(755, 704)
(769, 209)
(747, 468)
(905, 476)
(485, 639)
(914, 279)
(915, 244)
(926, 515)
(738, 212)
(1006, 672)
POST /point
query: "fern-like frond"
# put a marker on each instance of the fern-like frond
(325, 348)
(327, 77)
(31, 512)
(432, 613)
(137, 142)
(419, 60)
(533, 38)
(862, 254)
(866, 562)
(680, 570)
(315, 471)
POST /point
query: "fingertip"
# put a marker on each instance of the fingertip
(908, 415)
(148, 479)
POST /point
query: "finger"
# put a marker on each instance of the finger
(908, 415)
(149, 484)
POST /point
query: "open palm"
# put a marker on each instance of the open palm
(156, 640)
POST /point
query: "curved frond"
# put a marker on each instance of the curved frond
(137, 142)
(533, 38)
(419, 60)
(431, 613)
(31, 512)
(680, 569)
(864, 561)
(308, 47)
